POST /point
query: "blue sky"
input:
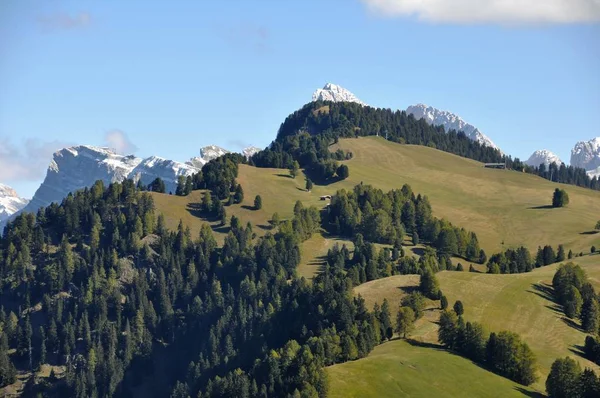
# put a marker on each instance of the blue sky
(175, 76)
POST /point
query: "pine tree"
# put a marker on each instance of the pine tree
(458, 308)
(294, 169)
(257, 202)
(590, 315)
(309, 184)
(443, 303)
(405, 321)
(563, 379)
(560, 255)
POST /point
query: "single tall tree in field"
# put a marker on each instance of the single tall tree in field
(309, 184)
(257, 202)
(458, 308)
(405, 321)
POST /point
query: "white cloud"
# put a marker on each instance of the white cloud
(118, 141)
(61, 21)
(28, 163)
(491, 11)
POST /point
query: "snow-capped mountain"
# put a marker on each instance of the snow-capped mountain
(450, 121)
(10, 202)
(80, 166)
(207, 154)
(586, 154)
(542, 156)
(251, 150)
(335, 93)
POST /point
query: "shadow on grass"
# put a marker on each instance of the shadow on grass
(543, 290)
(589, 233)
(301, 189)
(417, 343)
(419, 251)
(572, 323)
(246, 207)
(541, 207)
(578, 350)
(408, 289)
(264, 227)
(320, 260)
(284, 175)
(533, 394)
(195, 209)
(224, 229)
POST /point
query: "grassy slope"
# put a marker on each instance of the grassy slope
(501, 302)
(399, 369)
(496, 204)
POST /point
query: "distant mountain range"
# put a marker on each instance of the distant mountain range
(77, 167)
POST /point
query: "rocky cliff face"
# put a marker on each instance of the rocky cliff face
(543, 156)
(586, 154)
(450, 121)
(10, 202)
(80, 166)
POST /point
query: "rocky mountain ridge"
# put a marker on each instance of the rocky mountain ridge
(543, 156)
(10, 202)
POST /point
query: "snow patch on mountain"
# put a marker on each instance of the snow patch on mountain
(333, 92)
(207, 153)
(10, 202)
(250, 151)
(542, 156)
(586, 154)
(450, 121)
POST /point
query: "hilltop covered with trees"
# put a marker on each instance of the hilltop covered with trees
(306, 134)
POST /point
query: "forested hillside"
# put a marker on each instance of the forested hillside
(306, 134)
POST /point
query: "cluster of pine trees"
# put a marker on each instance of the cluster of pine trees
(519, 260)
(386, 217)
(504, 353)
(577, 296)
(566, 380)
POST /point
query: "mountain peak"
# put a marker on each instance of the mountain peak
(586, 154)
(450, 121)
(10, 202)
(333, 92)
(542, 156)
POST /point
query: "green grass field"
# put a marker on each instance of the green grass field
(499, 205)
(399, 369)
(517, 302)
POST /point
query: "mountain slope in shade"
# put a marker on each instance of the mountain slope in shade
(10, 202)
(450, 121)
(333, 92)
(586, 154)
(542, 156)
